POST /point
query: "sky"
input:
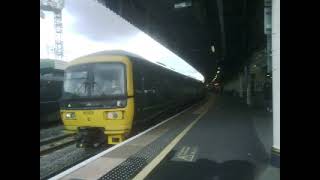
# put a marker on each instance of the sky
(90, 27)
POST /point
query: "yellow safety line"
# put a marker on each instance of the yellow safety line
(145, 171)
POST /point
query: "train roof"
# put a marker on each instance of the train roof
(129, 54)
(115, 52)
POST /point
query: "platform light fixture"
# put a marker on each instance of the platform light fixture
(183, 5)
(213, 48)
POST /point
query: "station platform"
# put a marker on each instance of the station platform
(214, 139)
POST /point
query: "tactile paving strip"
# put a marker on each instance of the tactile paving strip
(131, 167)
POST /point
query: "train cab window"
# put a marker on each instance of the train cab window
(108, 79)
(75, 83)
(98, 79)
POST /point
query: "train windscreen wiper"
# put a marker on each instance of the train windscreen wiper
(98, 87)
(86, 86)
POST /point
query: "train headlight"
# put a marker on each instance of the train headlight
(121, 103)
(114, 115)
(70, 115)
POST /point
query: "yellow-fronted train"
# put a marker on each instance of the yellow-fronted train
(106, 94)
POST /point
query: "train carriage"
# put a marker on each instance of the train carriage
(51, 83)
(105, 93)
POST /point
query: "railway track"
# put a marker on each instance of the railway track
(55, 143)
(51, 144)
(72, 155)
(77, 156)
(53, 139)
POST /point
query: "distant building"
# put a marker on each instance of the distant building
(51, 69)
(52, 64)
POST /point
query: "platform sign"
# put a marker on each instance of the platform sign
(267, 16)
(186, 153)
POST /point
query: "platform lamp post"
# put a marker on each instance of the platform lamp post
(275, 157)
(240, 85)
(248, 85)
(246, 88)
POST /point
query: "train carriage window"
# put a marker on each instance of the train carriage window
(50, 89)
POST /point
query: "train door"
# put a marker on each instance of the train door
(148, 92)
(139, 100)
(144, 91)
